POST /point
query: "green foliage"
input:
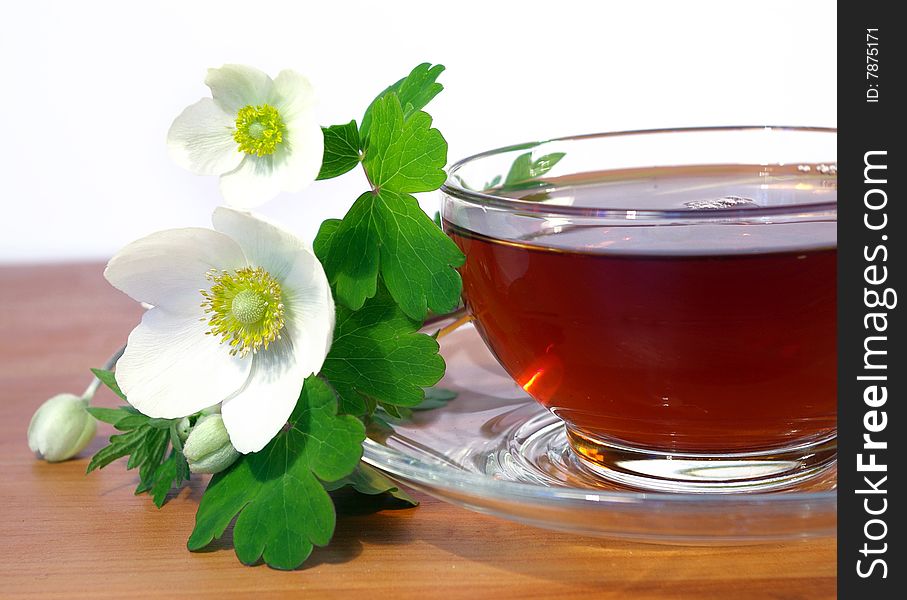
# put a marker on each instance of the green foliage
(341, 150)
(388, 231)
(369, 481)
(414, 91)
(404, 155)
(145, 441)
(377, 356)
(109, 379)
(325, 238)
(385, 232)
(276, 496)
(434, 398)
(524, 172)
(172, 472)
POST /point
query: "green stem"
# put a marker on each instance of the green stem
(95, 382)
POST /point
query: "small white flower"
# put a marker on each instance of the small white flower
(242, 315)
(260, 135)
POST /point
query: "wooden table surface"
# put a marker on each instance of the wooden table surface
(65, 534)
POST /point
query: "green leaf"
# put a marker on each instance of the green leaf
(173, 472)
(524, 171)
(404, 156)
(325, 237)
(397, 412)
(155, 449)
(109, 379)
(436, 398)
(389, 232)
(368, 480)
(490, 184)
(417, 259)
(120, 446)
(341, 150)
(332, 444)
(351, 262)
(144, 441)
(377, 428)
(108, 415)
(415, 91)
(131, 422)
(280, 505)
(378, 356)
(175, 440)
(385, 231)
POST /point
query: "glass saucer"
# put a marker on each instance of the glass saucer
(494, 450)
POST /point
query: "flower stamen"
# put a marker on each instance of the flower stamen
(259, 129)
(245, 307)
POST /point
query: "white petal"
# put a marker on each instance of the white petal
(304, 146)
(292, 167)
(309, 311)
(167, 268)
(263, 243)
(201, 139)
(307, 293)
(252, 183)
(293, 95)
(255, 414)
(236, 86)
(171, 369)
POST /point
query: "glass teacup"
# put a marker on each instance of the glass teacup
(670, 295)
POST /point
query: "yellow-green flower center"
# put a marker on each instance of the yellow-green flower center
(259, 129)
(248, 306)
(245, 309)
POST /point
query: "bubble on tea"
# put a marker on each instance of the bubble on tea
(723, 202)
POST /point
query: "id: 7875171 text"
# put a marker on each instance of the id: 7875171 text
(872, 65)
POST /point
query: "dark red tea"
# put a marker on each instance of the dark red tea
(701, 352)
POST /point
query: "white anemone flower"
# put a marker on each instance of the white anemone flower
(259, 134)
(241, 315)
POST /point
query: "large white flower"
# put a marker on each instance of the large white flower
(241, 315)
(260, 135)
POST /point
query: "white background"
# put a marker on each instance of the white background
(89, 90)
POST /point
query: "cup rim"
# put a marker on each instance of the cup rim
(456, 189)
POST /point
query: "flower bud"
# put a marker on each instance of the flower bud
(61, 428)
(208, 448)
(183, 428)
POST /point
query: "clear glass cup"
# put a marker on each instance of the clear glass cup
(670, 295)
